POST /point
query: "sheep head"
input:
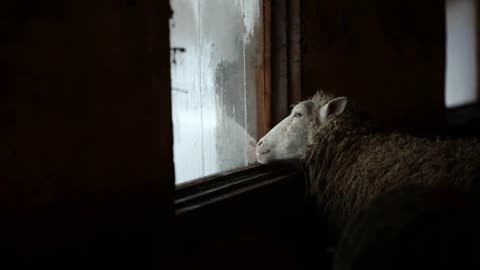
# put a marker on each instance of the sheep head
(288, 140)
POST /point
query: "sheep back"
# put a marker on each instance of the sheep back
(350, 161)
(413, 226)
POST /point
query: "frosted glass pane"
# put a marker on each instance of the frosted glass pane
(213, 85)
(461, 75)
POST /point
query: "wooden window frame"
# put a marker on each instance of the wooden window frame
(278, 86)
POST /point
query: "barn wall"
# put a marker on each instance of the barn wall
(389, 55)
(85, 143)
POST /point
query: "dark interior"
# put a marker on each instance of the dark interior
(279, 228)
(86, 171)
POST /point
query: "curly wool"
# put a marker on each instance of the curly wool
(350, 161)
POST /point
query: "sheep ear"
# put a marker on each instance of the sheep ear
(317, 97)
(333, 108)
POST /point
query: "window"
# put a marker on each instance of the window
(216, 76)
(461, 75)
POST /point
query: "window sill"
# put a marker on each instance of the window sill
(196, 194)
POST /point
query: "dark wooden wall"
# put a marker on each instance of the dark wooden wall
(389, 55)
(86, 175)
(266, 228)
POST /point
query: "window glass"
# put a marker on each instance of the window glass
(461, 75)
(214, 84)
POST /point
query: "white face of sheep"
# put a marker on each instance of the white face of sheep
(287, 141)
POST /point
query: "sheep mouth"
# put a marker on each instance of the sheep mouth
(263, 157)
(264, 152)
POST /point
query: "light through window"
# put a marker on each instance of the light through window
(215, 60)
(461, 74)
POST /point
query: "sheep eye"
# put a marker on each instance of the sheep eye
(298, 115)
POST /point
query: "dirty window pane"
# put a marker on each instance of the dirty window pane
(214, 77)
(461, 72)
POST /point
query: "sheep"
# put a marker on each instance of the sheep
(419, 227)
(349, 159)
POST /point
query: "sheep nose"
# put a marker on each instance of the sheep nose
(260, 143)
